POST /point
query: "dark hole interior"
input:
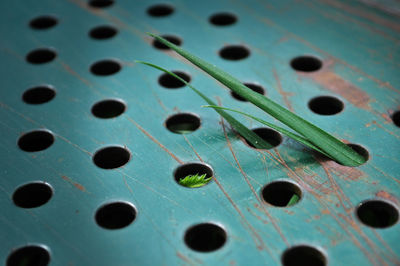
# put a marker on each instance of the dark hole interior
(173, 39)
(103, 32)
(43, 22)
(115, 215)
(326, 105)
(192, 169)
(160, 10)
(205, 237)
(377, 213)
(105, 67)
(234, 52)
(38, 95)
(306, 63)
(108, 109)
(32, 195)
(303, 256)
(100, 3)
(111, 157)
(183, 123)
(269, 135)
(170, 82)
(252, 86)
(35, 141)
(29, 256)
(396, 118)
(280, 193)
(40, 56)
(223, 19)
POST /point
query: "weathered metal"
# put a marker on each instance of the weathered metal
(358, 44)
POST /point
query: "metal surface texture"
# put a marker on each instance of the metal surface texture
(358, 45)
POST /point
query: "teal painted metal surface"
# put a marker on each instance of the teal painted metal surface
(359, 47)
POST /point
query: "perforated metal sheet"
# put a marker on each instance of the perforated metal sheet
(358, 45)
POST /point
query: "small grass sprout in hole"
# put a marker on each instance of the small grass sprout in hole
(194, 181)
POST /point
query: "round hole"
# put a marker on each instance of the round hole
(37, 140)
(306, 63)
(183, 123)
(303, 255)
(105, 67)
(160, 10)
(223, 19)
(39, 95)
(103, 32)
(326, 105)
(43, 22)
(100, 3)
(41, 56)
(115, 215)
(192, 169)
(396, 118)
(360, 150)
(32, 195)
(205, 237)
(111, 157)
(171, 38)
(108, 108)
(255, 87)
(234, 52)
(29, 255)
(170, 82)
(267, 134)
(281, 193)
(377, 213)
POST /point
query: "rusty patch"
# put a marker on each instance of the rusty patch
(386, 195)
(336, 84)
(75, 184)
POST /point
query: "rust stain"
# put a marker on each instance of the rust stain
(155, 140)
(364, 14)
(347, 173)
(309, 44)
(191, 146)
(386, 195)
(184, 258)
(386, 130)
(255, 215)
(73, 73)
(283, 93)
(274, 223)
(369, 242)
(338, 85)
(387, 118)
(257, 238)
(75, 184)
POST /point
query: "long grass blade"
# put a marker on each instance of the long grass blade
(283, 131)
(249, 135)
(320, 138)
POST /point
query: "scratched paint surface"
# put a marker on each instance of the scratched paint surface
(359, 47)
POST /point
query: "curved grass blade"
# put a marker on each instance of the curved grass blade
(320, 138)
(249, 135)
(285, 132)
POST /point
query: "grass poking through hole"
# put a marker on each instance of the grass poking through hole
(194, 181)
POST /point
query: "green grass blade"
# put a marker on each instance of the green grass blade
(293, 200)
(326, 142)
(283, 131)
(194, 181)
(249, 135)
